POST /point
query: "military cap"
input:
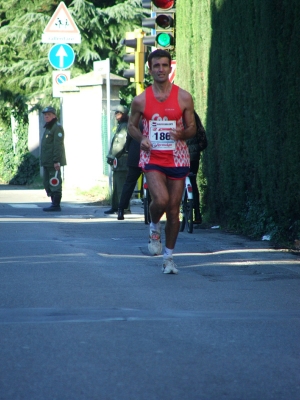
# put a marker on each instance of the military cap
(49, 109)
(121, 109)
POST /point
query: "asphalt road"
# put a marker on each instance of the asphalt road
(85, 312)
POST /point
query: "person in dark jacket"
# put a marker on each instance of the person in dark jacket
(117, 158)
(134, 172)
(195, 153)
(52, 157)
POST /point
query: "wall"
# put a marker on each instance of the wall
(83, 110)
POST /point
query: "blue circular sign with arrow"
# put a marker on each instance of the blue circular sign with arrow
(61, 56)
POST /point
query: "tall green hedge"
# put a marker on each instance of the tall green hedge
(241, 62)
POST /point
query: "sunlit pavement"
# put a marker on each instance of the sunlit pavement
(86, 313)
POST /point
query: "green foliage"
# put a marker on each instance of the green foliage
(241, 63)
(17, 165)
(24, 65)
(26, 74)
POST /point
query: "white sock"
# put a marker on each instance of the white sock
(155, 227)
(168, 253)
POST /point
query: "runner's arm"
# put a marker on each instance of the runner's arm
(134, 120)
(187, 104)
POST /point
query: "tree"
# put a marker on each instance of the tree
(26, 74)
(24, 66)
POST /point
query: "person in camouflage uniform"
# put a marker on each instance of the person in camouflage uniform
(117, 158)
(52, 157)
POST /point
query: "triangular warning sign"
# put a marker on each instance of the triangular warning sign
(61, 21)
(61, 28)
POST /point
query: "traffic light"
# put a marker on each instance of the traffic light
(161, 23)
(164, 24)
(129, 57)
(149, 23)
(135, 56)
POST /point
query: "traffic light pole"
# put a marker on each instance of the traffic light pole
(139, 62)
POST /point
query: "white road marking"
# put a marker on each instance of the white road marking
(23, 205)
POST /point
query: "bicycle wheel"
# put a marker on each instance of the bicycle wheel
(189, 216)
(147, 200)
(182, 218)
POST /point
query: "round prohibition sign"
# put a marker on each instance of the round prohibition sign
(61, 78)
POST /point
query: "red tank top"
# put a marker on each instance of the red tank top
(168, 110)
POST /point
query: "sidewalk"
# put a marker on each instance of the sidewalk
(26, 195)
(70, 195)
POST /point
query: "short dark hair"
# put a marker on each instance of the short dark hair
(159, 53)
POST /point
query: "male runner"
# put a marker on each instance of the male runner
(164, 154)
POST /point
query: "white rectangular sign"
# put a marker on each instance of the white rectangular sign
(160, 134)
(59, 78)
(60, 38)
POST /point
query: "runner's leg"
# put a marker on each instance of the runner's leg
(175, 189)
(157, 184)
(159, 200)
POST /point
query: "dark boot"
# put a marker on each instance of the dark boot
(120, 214)
(55, 206)
(198, 217)
(110, 211)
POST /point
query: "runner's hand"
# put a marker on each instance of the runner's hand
(145, 144)
(177, 134)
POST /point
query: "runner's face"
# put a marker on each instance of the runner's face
(160, 69)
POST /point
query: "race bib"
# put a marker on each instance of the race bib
(160, 135)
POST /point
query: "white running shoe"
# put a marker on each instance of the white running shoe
(154, 245)
(169, 267)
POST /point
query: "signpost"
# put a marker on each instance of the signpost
(61, 29)
(104, 68)
(61, 56)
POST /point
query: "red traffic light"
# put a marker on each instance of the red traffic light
(164, 4)
(164, 21)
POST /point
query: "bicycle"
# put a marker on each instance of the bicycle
(186, 214)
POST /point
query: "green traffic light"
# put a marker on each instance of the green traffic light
(163, 39)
